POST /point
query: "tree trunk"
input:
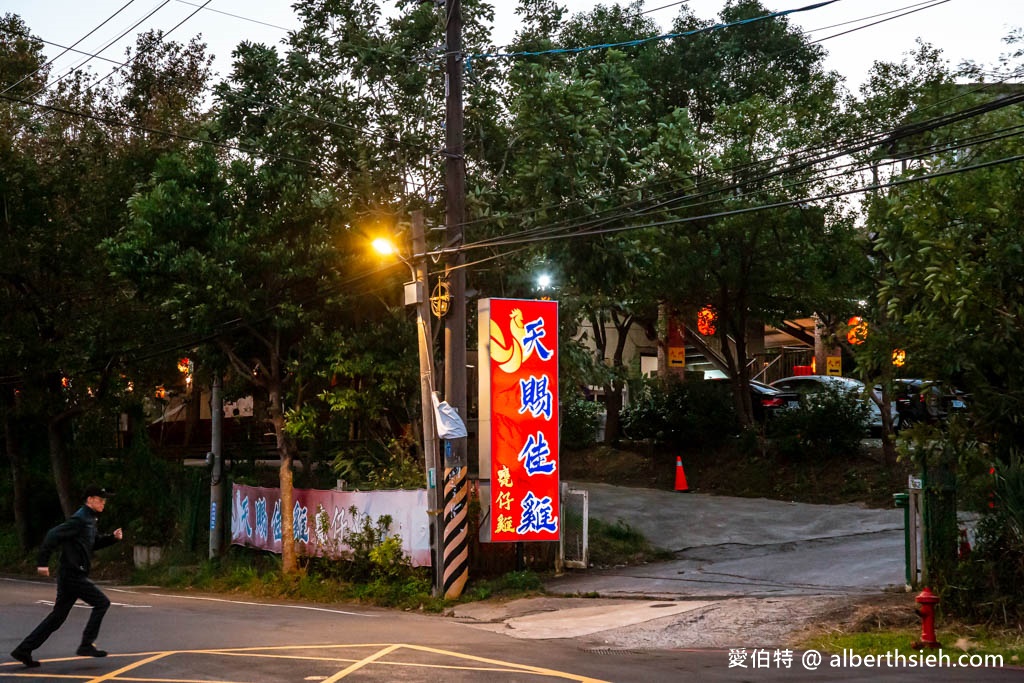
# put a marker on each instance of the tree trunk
(289, 563)
(18, 483)
(613, 391)
(59, 460)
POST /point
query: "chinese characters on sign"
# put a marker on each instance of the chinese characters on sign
(320, 519)
(522, 368)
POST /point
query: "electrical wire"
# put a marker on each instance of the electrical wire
(831, 153)
(929, 3)
(766, 207)
(66, 50)
(101, 50)
(643, 41)
(338, 124)
(160, 36)
(890, 137)
(58, 45)
(156, 131)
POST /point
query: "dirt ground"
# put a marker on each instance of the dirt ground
(862, 478)
(768, 622)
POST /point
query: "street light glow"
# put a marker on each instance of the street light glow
(384, 246)
(544, 281)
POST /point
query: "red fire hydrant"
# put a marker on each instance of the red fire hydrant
(927, 601)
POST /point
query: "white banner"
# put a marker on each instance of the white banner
(322, 518)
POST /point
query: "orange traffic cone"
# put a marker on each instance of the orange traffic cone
(681, 484)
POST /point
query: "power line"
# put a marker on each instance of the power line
(58, 45)
(66, 50)
(767, 207)
(643, 41)
(102, 49)
(808, 155)
(159, 38)
(892, 136)
(236, 16)
(146, 129)
(311, 117)
(929, 3)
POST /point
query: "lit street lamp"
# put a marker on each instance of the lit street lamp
(416, 293)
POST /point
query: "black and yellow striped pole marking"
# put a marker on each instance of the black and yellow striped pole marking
(456, 534)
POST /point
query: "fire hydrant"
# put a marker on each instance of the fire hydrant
(927, 601)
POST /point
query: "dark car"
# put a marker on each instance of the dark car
(921, 400)
(808, 385)
(767, 401)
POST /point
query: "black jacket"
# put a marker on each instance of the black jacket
(78, 537)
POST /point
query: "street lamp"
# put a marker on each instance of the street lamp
(415, 293)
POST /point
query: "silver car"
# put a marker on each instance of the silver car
(811, 384)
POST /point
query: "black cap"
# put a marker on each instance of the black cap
(97, 491)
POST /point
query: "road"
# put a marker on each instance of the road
(155, 636)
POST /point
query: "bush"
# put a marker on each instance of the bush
(988, 585)
(678, 413)
(376, 553)
(826, 424)
(580, 421)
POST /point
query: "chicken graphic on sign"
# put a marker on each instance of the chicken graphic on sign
(508, 355)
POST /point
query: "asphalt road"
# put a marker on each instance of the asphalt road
(154, 636)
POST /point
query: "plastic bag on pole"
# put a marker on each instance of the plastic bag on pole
(449, 424)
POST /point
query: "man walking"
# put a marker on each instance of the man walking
(77, 538)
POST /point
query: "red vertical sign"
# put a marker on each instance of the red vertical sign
(523, 369)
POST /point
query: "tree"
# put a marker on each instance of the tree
(72, 163)
(949, 250)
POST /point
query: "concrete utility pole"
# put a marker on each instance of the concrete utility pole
(217, 471)
(455, 465)
(426, 352)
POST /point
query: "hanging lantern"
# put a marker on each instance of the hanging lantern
(706, 319)
(160, 392)
(858, 332)
(184, 366)
(899, 357)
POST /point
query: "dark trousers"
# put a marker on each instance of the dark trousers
(69, 590)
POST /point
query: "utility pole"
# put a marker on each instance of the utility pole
(217, 469)
(435, 505)
(455, 461)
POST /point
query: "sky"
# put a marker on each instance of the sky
(963, 29)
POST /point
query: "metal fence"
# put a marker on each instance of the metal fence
(575, 511)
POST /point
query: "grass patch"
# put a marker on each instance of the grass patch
(257, 574)
(620, 544)
(956, 639)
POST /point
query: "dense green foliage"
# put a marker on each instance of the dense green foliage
(145, 221)
(580, 421)
(828, 425)
(681, 414)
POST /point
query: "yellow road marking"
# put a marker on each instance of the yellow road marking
(273, 656)
(361, 663)
(130, 667)
(521, 667)
(68, 676)
(383, 650)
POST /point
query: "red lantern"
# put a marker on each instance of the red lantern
(706, 319)
(858, 332)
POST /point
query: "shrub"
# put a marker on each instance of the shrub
(826, 424)
(376, 553)
(988, 584)
(580, 421)
(678, 413)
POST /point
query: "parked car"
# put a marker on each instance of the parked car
(921, 400)
(767, 401)
(808, 385)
